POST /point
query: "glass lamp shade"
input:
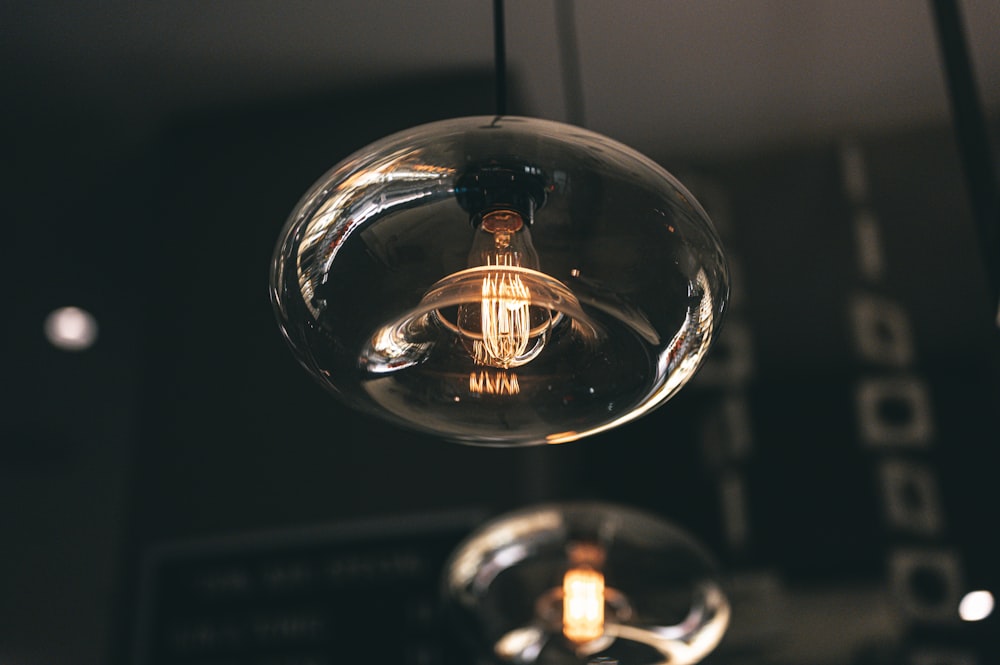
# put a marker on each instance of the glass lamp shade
(571, 583)
(500, 281)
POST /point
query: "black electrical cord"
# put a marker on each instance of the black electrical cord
(499, 57)
(972, 137)
(569, 56)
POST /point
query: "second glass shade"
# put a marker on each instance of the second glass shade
(500, 281)
(585, 583)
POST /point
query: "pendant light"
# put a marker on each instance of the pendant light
(500, 280)
(585, 582)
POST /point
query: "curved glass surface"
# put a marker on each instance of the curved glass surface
(584, 583)
(500, 281)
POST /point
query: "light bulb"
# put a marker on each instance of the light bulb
(500, 281)
(585, 582)
(583, 604)
(502, 329)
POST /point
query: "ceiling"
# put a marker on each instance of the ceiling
(681, 77)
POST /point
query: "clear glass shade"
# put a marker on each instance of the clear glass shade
(571, 583)
(500, 281)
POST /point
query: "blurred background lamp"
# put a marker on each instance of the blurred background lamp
(500, 281)
(976, 606)
(71, 329)
(585, 582)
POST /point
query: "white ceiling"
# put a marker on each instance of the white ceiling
(684, 75)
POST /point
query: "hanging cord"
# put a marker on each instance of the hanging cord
(972, 137)
(569, 57)
(499, 57)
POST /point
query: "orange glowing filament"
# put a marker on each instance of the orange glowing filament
(505, 317)
(583, 604)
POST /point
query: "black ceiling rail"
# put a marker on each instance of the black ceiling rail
(972, 136)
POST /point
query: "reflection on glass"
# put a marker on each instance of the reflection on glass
(493, 383)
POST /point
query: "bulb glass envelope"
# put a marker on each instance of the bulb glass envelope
(508, 588)
(500, 281)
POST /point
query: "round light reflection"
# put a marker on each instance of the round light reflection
(976, 606)
(71, 329)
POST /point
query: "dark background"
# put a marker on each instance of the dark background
(152, 153)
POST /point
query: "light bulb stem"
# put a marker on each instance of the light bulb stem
(502, 224)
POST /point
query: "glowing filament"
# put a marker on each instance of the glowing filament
(505, 314)
(583, 604)
(488, 383)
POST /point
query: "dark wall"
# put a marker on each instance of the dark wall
(840, 437)
(838, 433)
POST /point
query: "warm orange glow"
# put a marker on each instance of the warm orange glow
(583, 604)
(505, 314)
